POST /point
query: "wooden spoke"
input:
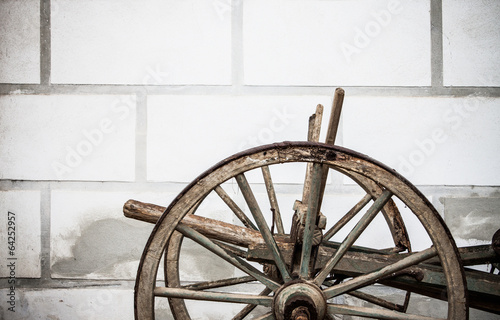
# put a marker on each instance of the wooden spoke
(249, 308)
(229, 257)
(374, 313)
(372, 277)
(229, 248)
(234, 207)
(353, 235)
(267, 316)
(347, 217)
(212, 296)
(263, 227)
(377, 301)
(218, 283)
(273, 201)
(310, 219)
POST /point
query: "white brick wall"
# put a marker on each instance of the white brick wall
(428, 140)
(183, 132)
(20, 234)
(102, 101)
(20, 41)
(471, 43)
(158, 42)
(67, 137)
(344, 43)
(91, 304)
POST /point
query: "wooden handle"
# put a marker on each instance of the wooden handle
(213, 229)
(333, 125)
(331, 134)
(142, 211)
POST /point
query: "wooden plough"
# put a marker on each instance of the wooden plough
(304, 272)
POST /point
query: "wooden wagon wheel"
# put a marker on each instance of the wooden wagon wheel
(301, 276)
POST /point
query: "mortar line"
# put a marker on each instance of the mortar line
(141, 137)
(45, 42)
(45, 209)
(395, 91)
(237, 66)
(437, 44)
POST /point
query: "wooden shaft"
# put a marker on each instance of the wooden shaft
(333, 124)
(213, 229)
(331, 134)
(313, 136)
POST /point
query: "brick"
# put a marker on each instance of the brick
(185, 137)
(367, 42)
(20, 41)
(22, 209)
(141, 42)
(92, 239)
(472, 220)
(74, 303)
(100, 303)
(66, 137)
(431, 141)
(471, 43)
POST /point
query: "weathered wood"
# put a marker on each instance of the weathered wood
(263, 227)
(218, 283)
(347, 217)
(475, 255)
(352, 264)
(213, 296)
(333, 124)
(337, 158)
(423, 278)
(273, 201)
(331, 133)
(236, 261)
(312, 136)
(354, 234)
(234, 207)
(310, 221)
(374, 313)
(210, 228)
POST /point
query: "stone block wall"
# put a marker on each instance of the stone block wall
(103, 101)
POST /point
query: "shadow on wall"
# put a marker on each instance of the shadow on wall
(102, 246)
(111, 248)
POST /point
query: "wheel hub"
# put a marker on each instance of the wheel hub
(299, 301)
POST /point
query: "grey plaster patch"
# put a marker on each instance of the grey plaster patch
(103, 245)
(107, 244)
(472, 218)
(197, 264)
